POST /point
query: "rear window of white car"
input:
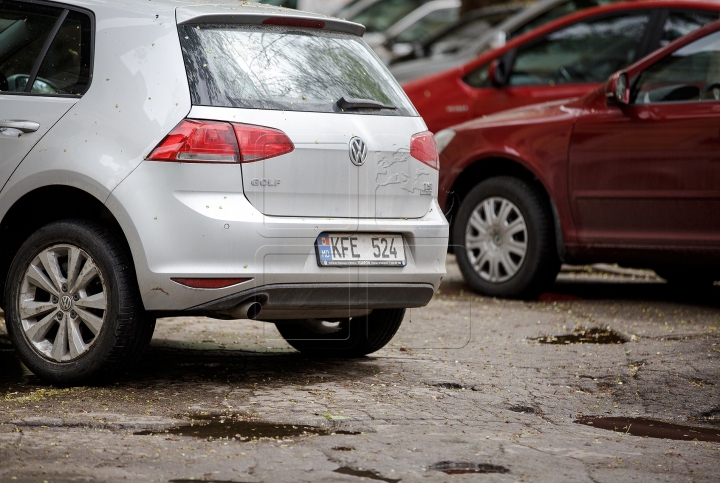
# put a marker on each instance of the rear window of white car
(286, 68)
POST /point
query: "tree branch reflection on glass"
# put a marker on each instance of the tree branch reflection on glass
(287, 68)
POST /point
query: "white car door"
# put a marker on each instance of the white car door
(44, 68)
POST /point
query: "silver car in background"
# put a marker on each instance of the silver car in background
(421, 23)
(227, 160)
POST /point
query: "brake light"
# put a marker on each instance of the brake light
(221, 142)
(294, 22)
(424, 149)
(198, 142)
(257, 142)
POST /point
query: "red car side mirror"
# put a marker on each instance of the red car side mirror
(496, 73)
(617, 88)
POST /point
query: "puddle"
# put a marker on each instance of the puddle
(594, 335)
(463, 468)
(709, 416)
(523, 409)
(449, 385)
(371, 475)
(652, 428)
(236, 428)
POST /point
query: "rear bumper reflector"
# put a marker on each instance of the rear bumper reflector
(209, 282)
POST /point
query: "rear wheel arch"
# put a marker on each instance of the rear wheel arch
(491, 167)
(48, 204)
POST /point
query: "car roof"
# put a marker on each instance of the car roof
(219, 11)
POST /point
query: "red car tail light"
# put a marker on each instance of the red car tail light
(424, 149)
(198, 142)
(209, 282)
(221, 142)
(257, 142)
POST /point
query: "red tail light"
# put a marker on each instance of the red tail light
(198, 142)
(257, 142)
(221, 142)
(424, 149)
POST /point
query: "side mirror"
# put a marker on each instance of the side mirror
(617, 89)
(497, 74)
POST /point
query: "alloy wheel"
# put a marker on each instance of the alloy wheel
(496, 239)
(62, 303)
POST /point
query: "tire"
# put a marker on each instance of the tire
(81, 325)
(516, 257)
(350, 338)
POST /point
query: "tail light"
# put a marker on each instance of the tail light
(257, 142)
(221, 142)
(424, 149)
(294, 22)
(197, 142)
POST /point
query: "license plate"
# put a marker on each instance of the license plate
(353, 250)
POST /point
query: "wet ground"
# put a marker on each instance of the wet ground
(611, 376)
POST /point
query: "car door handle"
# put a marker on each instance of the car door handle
(24, 126)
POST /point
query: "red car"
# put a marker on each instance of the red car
(629, 173)
(563, 59)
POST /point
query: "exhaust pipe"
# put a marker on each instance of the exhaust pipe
(248, 310)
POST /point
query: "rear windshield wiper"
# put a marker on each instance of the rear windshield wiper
(346, 102)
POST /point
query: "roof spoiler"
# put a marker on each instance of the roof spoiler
(291, 19)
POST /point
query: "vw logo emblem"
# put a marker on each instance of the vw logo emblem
(65, 302)
(358, 151)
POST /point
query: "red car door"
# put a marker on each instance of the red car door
(649, 172)
(568, 62)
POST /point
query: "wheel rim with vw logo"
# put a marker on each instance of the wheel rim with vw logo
(496, 239)
(358, 151)
(62, 303)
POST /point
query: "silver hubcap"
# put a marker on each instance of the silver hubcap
(496, 239)
(62, 303)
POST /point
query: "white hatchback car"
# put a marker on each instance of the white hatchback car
(231, 160)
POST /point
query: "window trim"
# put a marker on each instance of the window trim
(45, 49)
(48, 42)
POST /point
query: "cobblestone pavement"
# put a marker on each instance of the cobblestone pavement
(469, 390)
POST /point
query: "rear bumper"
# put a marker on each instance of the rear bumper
(193, 221)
